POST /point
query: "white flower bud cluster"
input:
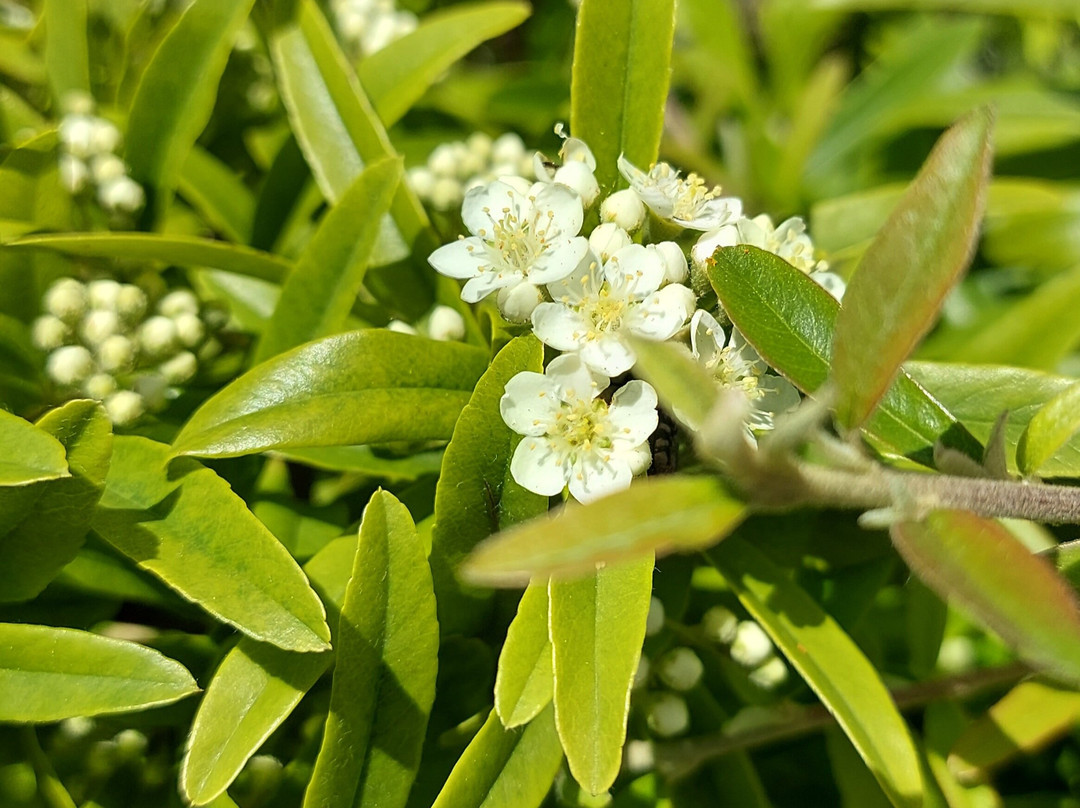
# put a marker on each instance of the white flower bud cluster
(454, 168)
(441, 323)
(748, 644)
(367, 26)
(89, 160)
(101, 343)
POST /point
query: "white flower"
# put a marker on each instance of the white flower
(577, 169)
(597, 307)
(734, 364)
(789, 240)
(116, 353)
(687, 202)
(770, 675)
(515, 239)
(98, 326)
(100, 386)
(158, 335)
(131, 302)
(676, 269)
(103, 294)
(73, 173)
(719, 624)
(107, 167)
(574, 438)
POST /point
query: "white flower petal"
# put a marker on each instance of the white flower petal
(530, 403)
(597, 476)
(484, 284)
(572, 289)
(460, 259)
(662, 314)
(559, 261)
(780, 395)
(574, 378)
(487, 202)
(713, 214)
(632, 414)
(558, 326)
(563, 206)
(635, 271)
(608, 355)
(536, 467)
(706, 335)
(726, 236)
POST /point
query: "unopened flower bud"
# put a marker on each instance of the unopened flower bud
(676, 269)
(422, 180)
(831, 283)
(124, 407)
(122, 195)
(751, 646)
(153, 389)
(508, 148)
(104, 136)
(516, 303)
(625, 209)
(519, 184)
(130, 744)
(446, 324)
(720, 625)
(446, 193)
(480, 144)
(770, 675)
(70, 365)
(66, 299)
(50, 332)
(98, 326)
(680, 668)
(177, 302)
(103, 294)
(209, 349)
(180, 368)
(607, 239)
(106, 168)
(131, 302)
(443, 161)
(401, 327)
(99, 386)
(655, 621)
(158, 335)
(639, 757)
(668, 715)
(116, 353)
(189, 329)
(76, 133)
(725, 236)
(580, 178)
(73, 173)
(77, 102)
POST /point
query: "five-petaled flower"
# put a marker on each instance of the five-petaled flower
(686, 201)
(573, 438)
(597, 306)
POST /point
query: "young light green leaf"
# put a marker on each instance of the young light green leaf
(662, 514)
(254, 689)
(384, 681)
(682, 384)
(622, 66)
(49, 674)
(28, 454)
(597, 625)
(396, 76)
(218, 193)
(505, 768)
(185, 525)
(1028, 718)
(176, 94)
(1049, 430)
(987, 572)
(370, 386)
(524, 683)
(316, 299)
(476, 495)
(916, 258)
(830, 662)
(44, 523)
(790, 320)
(186, 251)
(67, 54)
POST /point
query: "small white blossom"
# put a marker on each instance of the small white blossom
(131, 302)
(577, 169)
(104, 136)
(668, 715)
(625, 209)
(76, 134)
(401, 327)
(573, 438)
(70, 365)
(789, 240)
(189, 329)
(107, 167)
(596, 308)
(98, 326)
(515, 239)
(687, 202)
(831, 283)
(680, 669)
(124, 407)
(122, 195)
(508, 148)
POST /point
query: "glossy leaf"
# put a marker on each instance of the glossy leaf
(67, 54)
(622, 65)
(1049, 430)
(476, 494)
(184, 524)
(48, 674)
(215, 190)
(254, 689)
(790, 320)
(28, 454)
(187, 251)
(319, 293)
(916, 258)
(830, 663)
(44, 523)
(524, 683)
(396, 76)
(983, 569)
(384, 682)
(597, 625)
(662, 514)
(176, 94)
(361, 387)
(505, 768)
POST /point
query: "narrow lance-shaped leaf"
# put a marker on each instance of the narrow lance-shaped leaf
(218, 193)
(903, 277)
(318, 295)
(185, 525)
(67, 54)
(384, 682)
(523, 683)
(597, 625)
(362, 387)
(1049, 430)
(987, 572)
(830, 662)
(48, 674)
(663, 514)
(622, 66)
(28, 454)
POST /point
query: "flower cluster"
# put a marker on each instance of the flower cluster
(589, 295)
(104, 342)
(367, 26)
(454, 168)
(89, 160)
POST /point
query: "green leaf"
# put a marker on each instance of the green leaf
(184, 524)
(790, 320)
(67, 55)
(28, 454)
(914, 261)
(384, 681)
(254, 689)
(505, 768)
(524, 683)
(44, 523)
(319, 293)
(396, 76)
(1049, 430)
(983, 569)
(597, 626)
(216, 191)
(476, 494)
(179, 250)
(660, 514)
(48, 674)
(682, 384)
(622, 66)
(369, 386)
(177, 91)
(830, 662)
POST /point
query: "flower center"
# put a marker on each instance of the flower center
(581, 425)
(604, 312)
(519, 240)
(731, 371)
(687, 195)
